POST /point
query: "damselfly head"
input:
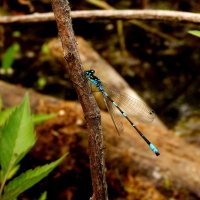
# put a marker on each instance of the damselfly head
(89, 73)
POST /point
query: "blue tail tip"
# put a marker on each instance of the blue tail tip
(157, 153)
(154, 149)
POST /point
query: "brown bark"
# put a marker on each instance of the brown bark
(91, 111)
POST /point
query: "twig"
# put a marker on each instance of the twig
(161, 15)
(154, 30)
(92, 114)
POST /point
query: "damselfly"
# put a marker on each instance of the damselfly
(110, 103)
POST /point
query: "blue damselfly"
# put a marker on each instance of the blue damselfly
(144, 113)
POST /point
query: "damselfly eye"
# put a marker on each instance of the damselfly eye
(92, 71)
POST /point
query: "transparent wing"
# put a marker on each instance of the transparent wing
(133, 107)
(115, 117)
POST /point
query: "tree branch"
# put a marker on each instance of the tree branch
(92, 114)
(161, 15)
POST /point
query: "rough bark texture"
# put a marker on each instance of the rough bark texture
(62, 13)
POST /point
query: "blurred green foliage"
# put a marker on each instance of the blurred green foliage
(194, 32)
(8, 58)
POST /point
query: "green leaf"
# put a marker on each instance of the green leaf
(45, 49)
(43, 196)
(9, 56)
(4, 115)
(13, 172)
(194, 32)
(16, 34)
(37, 119)
(41, 82)
(28, 179)
(1, 104)
(17, 137)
